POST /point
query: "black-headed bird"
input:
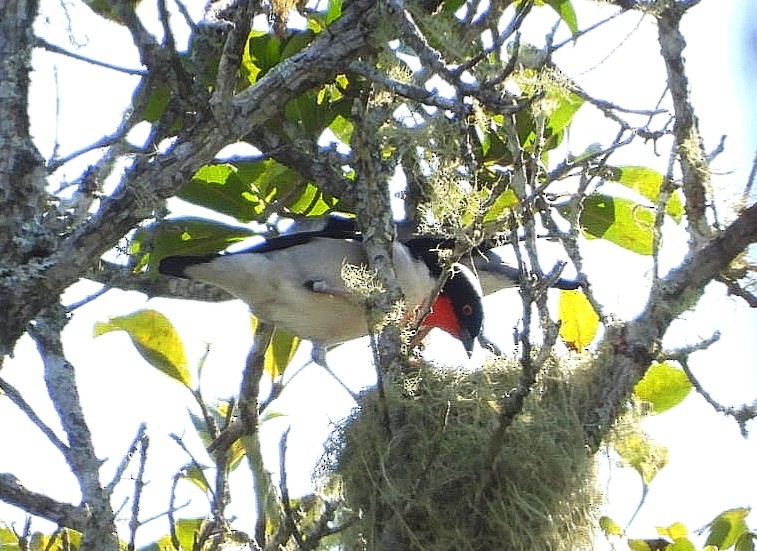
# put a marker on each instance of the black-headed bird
(295, 281)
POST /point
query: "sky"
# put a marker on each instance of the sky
(711, 465)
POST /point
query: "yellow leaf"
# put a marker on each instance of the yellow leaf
(578, 319)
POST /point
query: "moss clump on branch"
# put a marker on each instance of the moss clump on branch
(433, 481)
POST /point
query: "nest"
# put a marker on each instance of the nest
(427, 465)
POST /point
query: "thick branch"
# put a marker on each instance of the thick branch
(40, 505)
(100, 532)
(628, 349)
(689, 146)
(22, 173)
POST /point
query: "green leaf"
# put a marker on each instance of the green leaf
(196, 476)
(674, 531)
(156, 104)
(664, 386)
(745, 542)
(186, 530)
(224, 188)
(610, 527)
(638, 545)
(334, 11)
(155, 339)
(647, 182)
(451, 6)
(620, 221)
(579, 321)
(681, 544)
(727, 528)
(641, 453)
(280, 351)
(564, 9)
(187, 235)
(247, 189)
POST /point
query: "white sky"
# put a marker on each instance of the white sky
(711, 467)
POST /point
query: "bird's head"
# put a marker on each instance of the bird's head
(458, 309)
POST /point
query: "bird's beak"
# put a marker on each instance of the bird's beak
(467, 340)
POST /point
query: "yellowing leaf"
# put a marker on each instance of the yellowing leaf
(280, 350)
(674, 531)
(664, 386)
(155, 339)
(610, 527)
(642, 454)
(578, 319)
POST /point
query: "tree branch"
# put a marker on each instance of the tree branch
(40, 505)
(100, 532)
(628, 348)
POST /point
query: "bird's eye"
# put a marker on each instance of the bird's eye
(467, 310)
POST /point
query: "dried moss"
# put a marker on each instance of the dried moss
(432, 483)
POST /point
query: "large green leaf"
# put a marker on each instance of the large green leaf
(618, 220)
(155, 338)
(727, 528)
(181, 236)
(245, 190)
(222, 187)
(647, 182)
(664, 386)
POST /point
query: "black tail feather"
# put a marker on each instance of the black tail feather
(176, 265)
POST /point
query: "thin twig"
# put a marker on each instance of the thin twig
(288, 513)
(44, 44)
(15, 396)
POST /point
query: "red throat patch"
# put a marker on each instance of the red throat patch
(442, 315)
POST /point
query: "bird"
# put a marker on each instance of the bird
(294, 281)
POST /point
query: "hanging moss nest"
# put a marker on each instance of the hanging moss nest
(427, 464)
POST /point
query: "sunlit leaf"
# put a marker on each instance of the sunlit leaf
(674, 531)
(186, 530)
(647, 182)
(280, 350)
(501, 205)
(334, 11)
(155, 339)
(196, 476)
(638, 451)
(610, 527)
(62, 539)
(663, 386)
(579, 321)
(620, 221)
(727, 527)
(221, 187)
(681, 544)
